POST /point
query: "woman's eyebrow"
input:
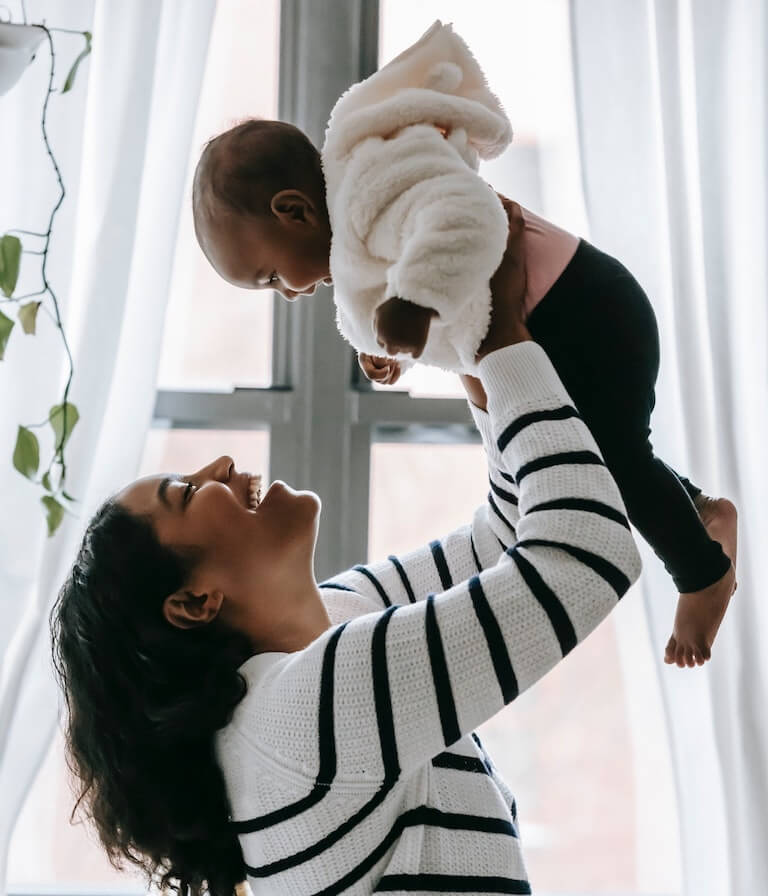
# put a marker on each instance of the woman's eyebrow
(163, 488)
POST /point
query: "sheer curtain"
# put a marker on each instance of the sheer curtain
(122, 139)
(672, 111)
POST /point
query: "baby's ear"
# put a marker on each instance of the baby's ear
(294, 206)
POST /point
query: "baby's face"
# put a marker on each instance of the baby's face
(255, 252)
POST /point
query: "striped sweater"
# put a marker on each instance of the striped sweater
(352, 765)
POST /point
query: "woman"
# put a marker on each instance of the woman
(232, 718)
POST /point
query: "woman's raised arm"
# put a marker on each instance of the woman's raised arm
(376, 697)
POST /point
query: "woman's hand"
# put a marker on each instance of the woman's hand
(508, 286)
(380, 370)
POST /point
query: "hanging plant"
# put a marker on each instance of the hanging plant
(18, 44)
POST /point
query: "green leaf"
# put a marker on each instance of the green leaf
(47, 481)
(68, 84)
(69, 497)
(26, 454)
(6, 325)
(55, 513)
(28, 316)
(10, 261)
(56, 418)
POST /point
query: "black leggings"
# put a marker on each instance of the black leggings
(599, 330)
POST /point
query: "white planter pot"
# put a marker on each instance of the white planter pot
(17, 49)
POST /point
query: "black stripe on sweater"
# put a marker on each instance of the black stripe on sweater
(260, 822)
(376, 583)
(503, 493)
(422, 815)
(499, 514)
(486, 757)
(460, 763)
(604, 568)
(442, 564)
(493, 636)
(586, 504)
(445, 703)
(403, 577)
(327, 748)
(516, 426)
(549, 601)
(452, 883)
(336, 587)
(326, 737)
(474, 553)
(556, 460)
(561, 413)
(383, 696)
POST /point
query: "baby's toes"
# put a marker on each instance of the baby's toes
(670, 650)
(680, 655)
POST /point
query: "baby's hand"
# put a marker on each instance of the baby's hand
(401, 326)
(381, 370)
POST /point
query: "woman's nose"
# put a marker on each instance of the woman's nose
(219, 469)
(225, 467)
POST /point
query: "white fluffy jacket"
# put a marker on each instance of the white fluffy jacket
(410, 215)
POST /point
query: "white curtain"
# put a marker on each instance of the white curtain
(673, 120)
(122, 140)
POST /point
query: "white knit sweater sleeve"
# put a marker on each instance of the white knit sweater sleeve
(384, 692)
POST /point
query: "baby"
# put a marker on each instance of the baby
(395, 215)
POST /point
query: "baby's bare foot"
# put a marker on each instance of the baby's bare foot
(700, 613)
(698, 617)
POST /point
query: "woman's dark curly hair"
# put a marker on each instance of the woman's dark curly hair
(144, 701)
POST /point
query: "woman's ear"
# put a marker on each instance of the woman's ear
(186, 610)
(293, 206)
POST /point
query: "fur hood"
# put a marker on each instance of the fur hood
(437, 79)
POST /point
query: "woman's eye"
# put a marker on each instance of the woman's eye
(272, 278)
(188, 491)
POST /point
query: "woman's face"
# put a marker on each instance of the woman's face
(249, 554)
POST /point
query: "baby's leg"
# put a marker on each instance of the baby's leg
(600, 332)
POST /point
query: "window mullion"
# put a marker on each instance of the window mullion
(320, 447)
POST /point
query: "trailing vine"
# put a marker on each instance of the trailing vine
(62, 417)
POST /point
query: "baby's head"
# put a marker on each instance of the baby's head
(258, 199)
